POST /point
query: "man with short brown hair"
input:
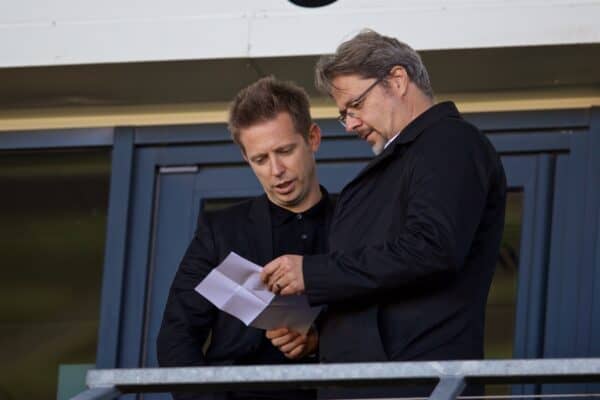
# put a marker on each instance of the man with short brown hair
(270, 121)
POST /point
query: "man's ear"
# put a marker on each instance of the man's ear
(399, 79)
(241, 146)
(314, 137)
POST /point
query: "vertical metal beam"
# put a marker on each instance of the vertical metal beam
(593, 242)
(591, 325)
(139, 225)
(557, 249)
(537, 285)
(448, 388)
(525, 270)
(589, 203)
(115, 253)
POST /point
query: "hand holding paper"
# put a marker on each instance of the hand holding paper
(235, 287)
(283, 275)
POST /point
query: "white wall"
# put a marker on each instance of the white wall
(62, 32)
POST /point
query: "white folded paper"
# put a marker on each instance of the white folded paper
(234, 286)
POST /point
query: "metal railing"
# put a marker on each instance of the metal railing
(450, 377)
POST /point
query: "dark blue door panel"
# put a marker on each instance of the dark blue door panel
(172, 229)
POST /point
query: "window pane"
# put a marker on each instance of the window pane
(53, 210)
(501, 306)
(215, 204)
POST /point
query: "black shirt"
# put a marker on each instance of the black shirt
(300, 233)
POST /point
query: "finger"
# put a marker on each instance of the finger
(272, 279)
(275, 333)
(289, 289)
(277, 280)
(284, 340)
(272, 284)
(281, 339)
(298, 341)
(295, 353)
(269, 269)
(274, 288)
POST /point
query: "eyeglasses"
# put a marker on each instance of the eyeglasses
(356, 104)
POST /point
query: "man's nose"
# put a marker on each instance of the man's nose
(277, 167)
(352, 123)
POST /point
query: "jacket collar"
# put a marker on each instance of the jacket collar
(428, 118)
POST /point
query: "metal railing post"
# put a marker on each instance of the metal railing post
(448, 388)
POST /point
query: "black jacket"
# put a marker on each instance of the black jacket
(189, 318)
(413, 246)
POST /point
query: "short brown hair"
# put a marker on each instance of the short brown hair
(263, 100)
(371, 55)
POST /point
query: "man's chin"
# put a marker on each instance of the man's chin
(377, 148)
(286, 201)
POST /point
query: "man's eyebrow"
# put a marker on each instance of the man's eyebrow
(346, 106)
(255, 156)
(348, 103)
(285, 146)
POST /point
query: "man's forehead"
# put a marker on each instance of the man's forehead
(345, 83)
(271, 143)
(345, 87)
(274, 145)
(267, 127)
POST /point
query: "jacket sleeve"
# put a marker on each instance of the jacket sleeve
(188, 317)
(450, 182)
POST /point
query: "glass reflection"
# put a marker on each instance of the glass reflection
(53, 211)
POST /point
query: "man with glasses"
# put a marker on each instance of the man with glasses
(415, 236)
(377, 141)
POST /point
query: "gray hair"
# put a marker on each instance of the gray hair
(371, 55)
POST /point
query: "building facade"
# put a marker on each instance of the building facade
(112, 136)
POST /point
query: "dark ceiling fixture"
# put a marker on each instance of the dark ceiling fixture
(312, 3)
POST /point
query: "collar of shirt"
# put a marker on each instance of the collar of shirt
(391, 140)
(280, 215)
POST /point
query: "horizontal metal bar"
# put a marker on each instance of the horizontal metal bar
(52, 139)
(101, 393)
(350, 147)
(538, 119)
(531, 142)
(330, 127)
(530, 396)
(182, 134)
(350, 374)
(179, 169)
